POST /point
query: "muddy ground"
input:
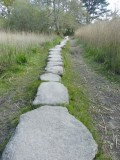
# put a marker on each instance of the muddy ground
(104, 99)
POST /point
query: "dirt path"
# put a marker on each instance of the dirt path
(104, 101)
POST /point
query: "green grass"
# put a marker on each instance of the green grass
(22, 81)
(95, 57)
(16, 48)
(79, 103)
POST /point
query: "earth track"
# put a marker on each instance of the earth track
(104, 99)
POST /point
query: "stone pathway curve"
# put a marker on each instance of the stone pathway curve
(50, 132)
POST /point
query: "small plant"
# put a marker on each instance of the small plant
(21, 58)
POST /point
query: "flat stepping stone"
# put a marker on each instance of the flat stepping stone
(55, 63)
(55, 56)
(55, 53)
(55, 49)
(50, 77)
(55, 59)
(50, 133)
(58, 47)
(51, 93)
(55, 69)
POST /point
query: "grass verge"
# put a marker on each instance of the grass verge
(18, 86)
(97, 65)
(16, 48)
(79, 103)
(103, 43)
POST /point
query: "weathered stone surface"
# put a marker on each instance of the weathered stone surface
(58, 47)
(55, 69)
(50, 77)
(55, 59)
(50, 133)
(55, 49)
(63, 43)
(52, 64)
(55, 56)
(51, 93)
(54, 53)
(55, 63)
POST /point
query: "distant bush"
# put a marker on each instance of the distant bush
(102, 41)
(27, 17)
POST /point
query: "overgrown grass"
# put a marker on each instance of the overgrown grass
(20, 83)
(17, 47)
(102, 43)
(79, 103)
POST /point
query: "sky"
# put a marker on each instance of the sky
(114, 4)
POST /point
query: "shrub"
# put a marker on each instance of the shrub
(21, 58)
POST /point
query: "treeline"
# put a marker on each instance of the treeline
(61, 16)
(44, 16)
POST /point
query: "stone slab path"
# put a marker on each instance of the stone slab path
(50, 132)
(55, 64)
(55, 69)
(51, 93)
(50, 77)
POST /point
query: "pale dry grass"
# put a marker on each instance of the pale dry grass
(14, 47)
(101, 33)
(104, 37)
(23, 39)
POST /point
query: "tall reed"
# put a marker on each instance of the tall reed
(102, 41)
(14, 47)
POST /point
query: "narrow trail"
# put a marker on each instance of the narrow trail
(50, 132)
(104, 99)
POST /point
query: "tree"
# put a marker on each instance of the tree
(45, 15)
(62, 12)
(7, 2)
(5, 7)
(27, 17)
(95, 8)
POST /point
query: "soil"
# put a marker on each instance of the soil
(104, 99)
(11, 103)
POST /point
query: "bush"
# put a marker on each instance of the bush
(21, 58)
(27, 17)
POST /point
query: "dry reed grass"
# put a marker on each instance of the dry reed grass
(15, 46)
(23, 39)
(103, 41)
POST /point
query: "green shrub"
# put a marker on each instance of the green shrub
(21, 58)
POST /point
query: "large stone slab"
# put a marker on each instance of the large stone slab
(58, 47)
(63, 43)
(55, 69)
(50, 133)
(50, 77)
(55, 49)
(55, 63)
(54, 53)
(55, 56)
(55, 59)
(51, 93)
